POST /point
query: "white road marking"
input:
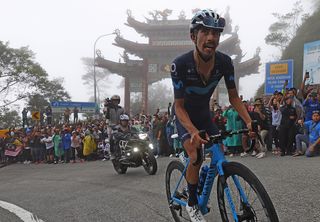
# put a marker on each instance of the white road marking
(24, 215)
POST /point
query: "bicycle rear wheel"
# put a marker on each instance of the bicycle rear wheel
(173, 175)
(260, 206)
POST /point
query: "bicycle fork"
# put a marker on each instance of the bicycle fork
(244, 199)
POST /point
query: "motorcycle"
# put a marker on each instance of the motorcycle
(135, 151)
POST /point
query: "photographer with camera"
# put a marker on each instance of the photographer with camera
(112, 110)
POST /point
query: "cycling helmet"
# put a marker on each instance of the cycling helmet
(115, 97)
(207, 18)
(124, 117)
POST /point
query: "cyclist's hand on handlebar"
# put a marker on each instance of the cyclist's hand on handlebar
(252, 134)
(196, 138)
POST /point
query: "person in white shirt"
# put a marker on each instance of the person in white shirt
(47, 139)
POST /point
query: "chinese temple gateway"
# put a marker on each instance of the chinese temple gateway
(167, 40)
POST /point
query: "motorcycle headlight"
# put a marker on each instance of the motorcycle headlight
(143, 136)
(151, 146)
(135, 149)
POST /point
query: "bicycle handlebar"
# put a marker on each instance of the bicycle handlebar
(224, 134)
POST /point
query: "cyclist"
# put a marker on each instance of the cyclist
(195, 75)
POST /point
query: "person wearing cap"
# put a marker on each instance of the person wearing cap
(287, 129)
(311, 138)
(311, 104)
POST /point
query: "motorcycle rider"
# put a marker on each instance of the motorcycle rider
(118, 132)
(113, 110)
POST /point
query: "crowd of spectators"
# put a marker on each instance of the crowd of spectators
(286, 120)
(288, 124)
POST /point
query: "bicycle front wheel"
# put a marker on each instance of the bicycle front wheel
(259, 207)
(173, 175)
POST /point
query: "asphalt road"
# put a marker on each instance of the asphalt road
(92, 191)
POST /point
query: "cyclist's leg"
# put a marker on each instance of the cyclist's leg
(192, 174)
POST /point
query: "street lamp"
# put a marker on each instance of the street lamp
(94, 64)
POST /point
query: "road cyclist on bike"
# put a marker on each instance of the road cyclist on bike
(195, 75)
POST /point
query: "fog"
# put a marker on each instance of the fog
(62, 32)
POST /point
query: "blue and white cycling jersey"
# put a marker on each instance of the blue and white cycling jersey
(188, 85)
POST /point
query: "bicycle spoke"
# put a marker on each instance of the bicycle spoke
(255, 207)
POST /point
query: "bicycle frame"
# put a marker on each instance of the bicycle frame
(215, 168)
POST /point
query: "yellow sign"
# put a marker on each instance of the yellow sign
(3, 133)
(36, 115)
(279, 68)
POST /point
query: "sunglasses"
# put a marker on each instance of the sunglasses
(210, 22)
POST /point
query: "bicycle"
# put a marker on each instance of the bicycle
(234, 200)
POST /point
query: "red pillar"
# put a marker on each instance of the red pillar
(145, 88)
(127, 94)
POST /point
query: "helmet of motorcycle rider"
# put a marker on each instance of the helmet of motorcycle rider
(124, 120)
(115, 98)
(124, 117)
(207, 18)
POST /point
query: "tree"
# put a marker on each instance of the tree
(284, 30)
(19, 74)
(102, 78)
(9, 118)
(21, 78)
(308, 31)
(154, 100)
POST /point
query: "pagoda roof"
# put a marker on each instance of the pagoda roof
(123, 69)
(155, 25)
(139, 49)
(248, 67)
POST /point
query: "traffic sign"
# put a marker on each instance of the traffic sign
(35, 115)
(276, 75)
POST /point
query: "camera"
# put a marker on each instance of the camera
(107, 103)
(307, 75)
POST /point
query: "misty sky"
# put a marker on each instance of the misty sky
(61, 32)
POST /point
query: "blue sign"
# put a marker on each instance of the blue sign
(59, 104)
(277, 73)
(311, 62)
(83, 107)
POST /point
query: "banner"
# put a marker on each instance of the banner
(311, 62)
(277, 73)
(83, 107)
